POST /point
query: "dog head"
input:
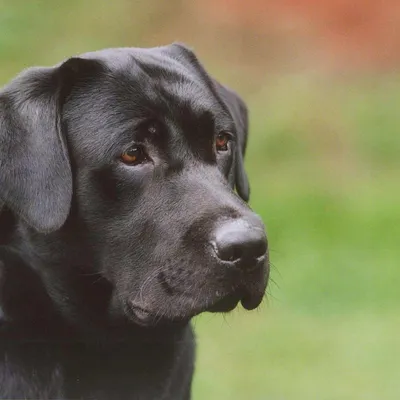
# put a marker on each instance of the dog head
(142, 150)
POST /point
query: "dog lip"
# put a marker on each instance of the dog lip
(226, 303)
(251, 301)
(139, 314)
(146, 318)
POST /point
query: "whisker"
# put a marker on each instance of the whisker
(275, 251)
(268, 295)
(272, 280)
(147, 282)
(224, 315)
(275, 268)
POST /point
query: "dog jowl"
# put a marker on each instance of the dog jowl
(124, 198)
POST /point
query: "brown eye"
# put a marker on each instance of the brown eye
(222, 141)
(133, 156)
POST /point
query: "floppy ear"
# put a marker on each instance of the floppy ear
(238, 110)
(35, 172)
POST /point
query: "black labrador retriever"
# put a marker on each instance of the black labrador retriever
(119, 223)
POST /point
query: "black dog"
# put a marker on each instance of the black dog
(119, 223)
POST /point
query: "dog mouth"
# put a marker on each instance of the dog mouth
(230, 301)
(223, 303)
(140, 315)
(146, 318)
(177, 306)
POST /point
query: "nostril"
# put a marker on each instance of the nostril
(260, 247)
(240, 241)
(229, 251)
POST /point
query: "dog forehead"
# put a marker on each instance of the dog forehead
(173, 58)
(169, 74)
(142, 84)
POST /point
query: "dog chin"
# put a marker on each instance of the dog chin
(146, 317)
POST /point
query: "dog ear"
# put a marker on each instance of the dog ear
(238, 110)
(35, 172)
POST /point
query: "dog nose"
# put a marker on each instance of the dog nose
(241, 243)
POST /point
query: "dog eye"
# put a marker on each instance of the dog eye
(222, 140)
(134, 155)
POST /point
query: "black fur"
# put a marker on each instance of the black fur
(102, 264)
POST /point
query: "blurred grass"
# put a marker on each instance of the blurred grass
(281, 354)
(323, 161)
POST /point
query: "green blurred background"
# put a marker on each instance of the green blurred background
(322, 84)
